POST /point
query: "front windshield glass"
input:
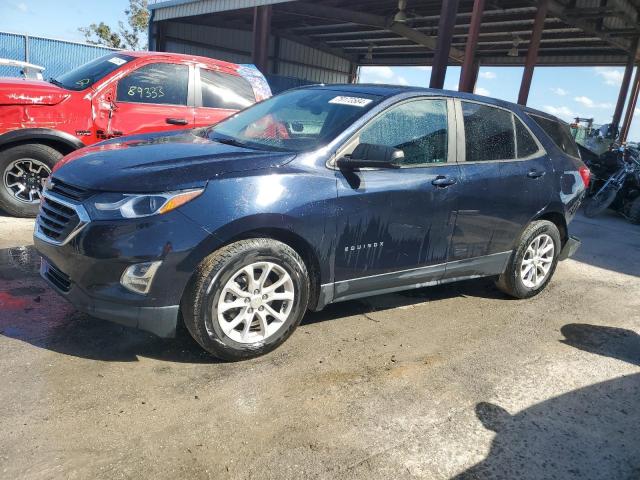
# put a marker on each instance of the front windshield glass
(86, 75)
(295, 121)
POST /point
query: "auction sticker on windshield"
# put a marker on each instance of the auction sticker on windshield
(117, 61)
(353, 101)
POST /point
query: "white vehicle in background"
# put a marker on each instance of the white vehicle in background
(27, 70)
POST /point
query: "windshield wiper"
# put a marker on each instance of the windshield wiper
(231, 141)
(56, 82)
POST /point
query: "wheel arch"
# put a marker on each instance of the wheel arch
(61, 141)
(558, 219)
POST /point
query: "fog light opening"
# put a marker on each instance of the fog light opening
(138, 277)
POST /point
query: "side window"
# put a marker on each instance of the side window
(488, 133)
(525, 143)
(559, 133)
(418, 128)
(223, 90)
(159, 83)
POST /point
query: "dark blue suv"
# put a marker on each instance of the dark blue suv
(318, 195)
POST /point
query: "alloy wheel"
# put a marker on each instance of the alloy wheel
(23, 178)
(537, 261)
(255, 302)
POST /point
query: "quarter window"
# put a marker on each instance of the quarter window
(159, 83)
(559, 133)
(488, 133)
(222, 90)
(418, 128)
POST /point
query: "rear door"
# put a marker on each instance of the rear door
(154, 97)
(220, 93)
(506, 178)
(395, 225)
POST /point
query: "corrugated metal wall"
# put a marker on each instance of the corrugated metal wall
(57, 56)
(293, 59)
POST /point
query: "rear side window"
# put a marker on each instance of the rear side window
(488, 133)
(222, 90)
(525, 144)
(559, 133)
(159, 83)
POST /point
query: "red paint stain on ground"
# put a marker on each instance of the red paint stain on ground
(10, 302)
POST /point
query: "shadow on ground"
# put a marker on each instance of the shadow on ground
(589, 433)
(31, 312)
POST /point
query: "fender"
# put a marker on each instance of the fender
(23, 134)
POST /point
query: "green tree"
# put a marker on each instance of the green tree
(130, 34)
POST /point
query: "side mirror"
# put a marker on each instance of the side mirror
(369, 155)
(297, 127)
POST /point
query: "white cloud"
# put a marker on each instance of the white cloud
(559, 91)
(382, 72)
(21, 6)
(563, 112)
(400, 80)
(482, 91)
(611, 76)
(587, 102)
(487, 75)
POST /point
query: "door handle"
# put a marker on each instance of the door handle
(535, 173)
(442, 181)
(177, 121)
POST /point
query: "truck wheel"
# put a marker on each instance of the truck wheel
(533, 262)
(634, 211)
(22, 168)
(246, 298)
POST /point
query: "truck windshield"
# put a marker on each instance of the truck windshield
(299, 120)
(86, 75)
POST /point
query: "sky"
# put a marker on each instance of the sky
(564, 91)
(568, 92)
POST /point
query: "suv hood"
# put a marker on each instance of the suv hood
(17, 91)
(159, 162)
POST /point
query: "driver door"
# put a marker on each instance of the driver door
(395, 225)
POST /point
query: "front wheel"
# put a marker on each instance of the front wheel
(23, 168)
(534, 261)
(246, 298)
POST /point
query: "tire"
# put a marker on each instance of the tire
(597, 204)
(13, 160)
(511, 281)
(221, 272)
(634, 211)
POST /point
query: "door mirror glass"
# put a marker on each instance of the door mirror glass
(369, 155)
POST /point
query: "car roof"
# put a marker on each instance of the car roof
(177, 56)
(392, 90)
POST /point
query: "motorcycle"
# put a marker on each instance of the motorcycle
(615, 184)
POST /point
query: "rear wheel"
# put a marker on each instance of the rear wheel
(600, 201)
(246, 298)
(634, 211)
(23, 169)
(534, 261)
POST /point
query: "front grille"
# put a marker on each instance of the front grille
(58, 278)
(56, 220)
(69, 191)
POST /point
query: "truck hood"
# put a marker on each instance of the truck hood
(159, 162)
(17, 91)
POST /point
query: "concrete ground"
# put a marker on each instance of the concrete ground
(454, 381)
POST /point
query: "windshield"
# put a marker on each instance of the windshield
(295, 121)
(86, 75)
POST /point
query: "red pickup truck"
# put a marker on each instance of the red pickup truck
(121, 93)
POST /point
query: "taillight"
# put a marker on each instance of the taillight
(585, 173)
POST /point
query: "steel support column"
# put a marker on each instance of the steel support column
(624, 87)
(261, 31)
(631, 107)
(469, 72)
(443, 43)
(532, 51)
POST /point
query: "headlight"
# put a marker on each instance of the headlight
(124, 205)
